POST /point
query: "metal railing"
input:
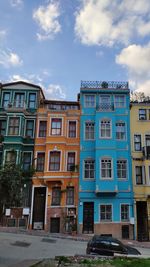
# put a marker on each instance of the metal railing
(104, 85)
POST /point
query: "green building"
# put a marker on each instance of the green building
(19, 102)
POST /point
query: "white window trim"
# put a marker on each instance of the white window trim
(62, 127)
(107, 178)
(143, 184)
(105, 204)
(85, 130)
(124, 101)
(31, 152)
(20, 124)
(94, 100)
(127, 170)
(100, 137)
(88, 179)
(125, 221)
(125, 139)
(61, 163)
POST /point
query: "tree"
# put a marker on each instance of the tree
(12, 180)
(138, 97)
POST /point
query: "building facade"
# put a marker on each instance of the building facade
(55, 183)
(18, 110)
(105, 183)
(140, 148)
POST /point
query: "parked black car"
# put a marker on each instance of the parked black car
(105, 245)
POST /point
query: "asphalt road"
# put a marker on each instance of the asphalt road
(15, 248)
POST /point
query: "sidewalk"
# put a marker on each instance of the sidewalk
(77, 237)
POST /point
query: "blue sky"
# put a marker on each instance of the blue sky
(58, 43)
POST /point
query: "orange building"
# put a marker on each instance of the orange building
(56, 156)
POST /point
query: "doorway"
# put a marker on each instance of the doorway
(88, 217)
(142, 221)
(39, 208)
(55, 225)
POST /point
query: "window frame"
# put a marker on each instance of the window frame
(32, 101)
(29, 163)
(13, 153)
(44, 130)
(70, 197)
(105, 129)
(121, 135)
(142, 116)
(122, 170)
(89, 170)
(69, 163)
(74, 131)
(2, 128)
(109, 160)
(135, 143)
(57, 129)
(57, 163)
(89, 130)
(122, 212)
(117, 104)
(56, 196)
(87, 103)
(139, 176)
(22, 102)
(3, 100)
(29, 129)
(105, 213)
(41, 163)
(13, 126)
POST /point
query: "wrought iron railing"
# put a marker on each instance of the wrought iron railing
(105, 106)
(104, 85)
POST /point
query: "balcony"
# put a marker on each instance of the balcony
(146, 152)
(104, 85)
(105, 107)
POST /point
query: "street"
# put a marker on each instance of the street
(15, 248)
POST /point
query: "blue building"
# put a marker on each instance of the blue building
(105, 185)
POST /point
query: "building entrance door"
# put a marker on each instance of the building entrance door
(55, 225)
(39, 208)
(88, 217)
(142, 221)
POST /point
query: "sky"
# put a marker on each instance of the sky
(58, 43)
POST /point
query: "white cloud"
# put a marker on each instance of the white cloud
(55, 91)
(2, 34)
(47, 19)
(136, 59)
(10, 59)
(105, 22)
(16, 3)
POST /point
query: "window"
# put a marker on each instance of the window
(119, 101)
(71, 161)
(137, 142)
(42, 128)
(89, 130)
(56, 125)
(105, 129)
(19, 100)
(120, 131)
(26, 160)
(54, 162)
(106, 168)
(72, 129)
(2, 127)
(56, 196)
(140, 173)
(89, 101)
(10, 157)
(29, 128)
(1, 158)
(89, 169)
(142, 114)
(40, 161)
(6, 99)
(105, 102)
(121, 169)
(106, 212)
(32, 100)
(125, 212)
(70, 195)
(13, 128)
